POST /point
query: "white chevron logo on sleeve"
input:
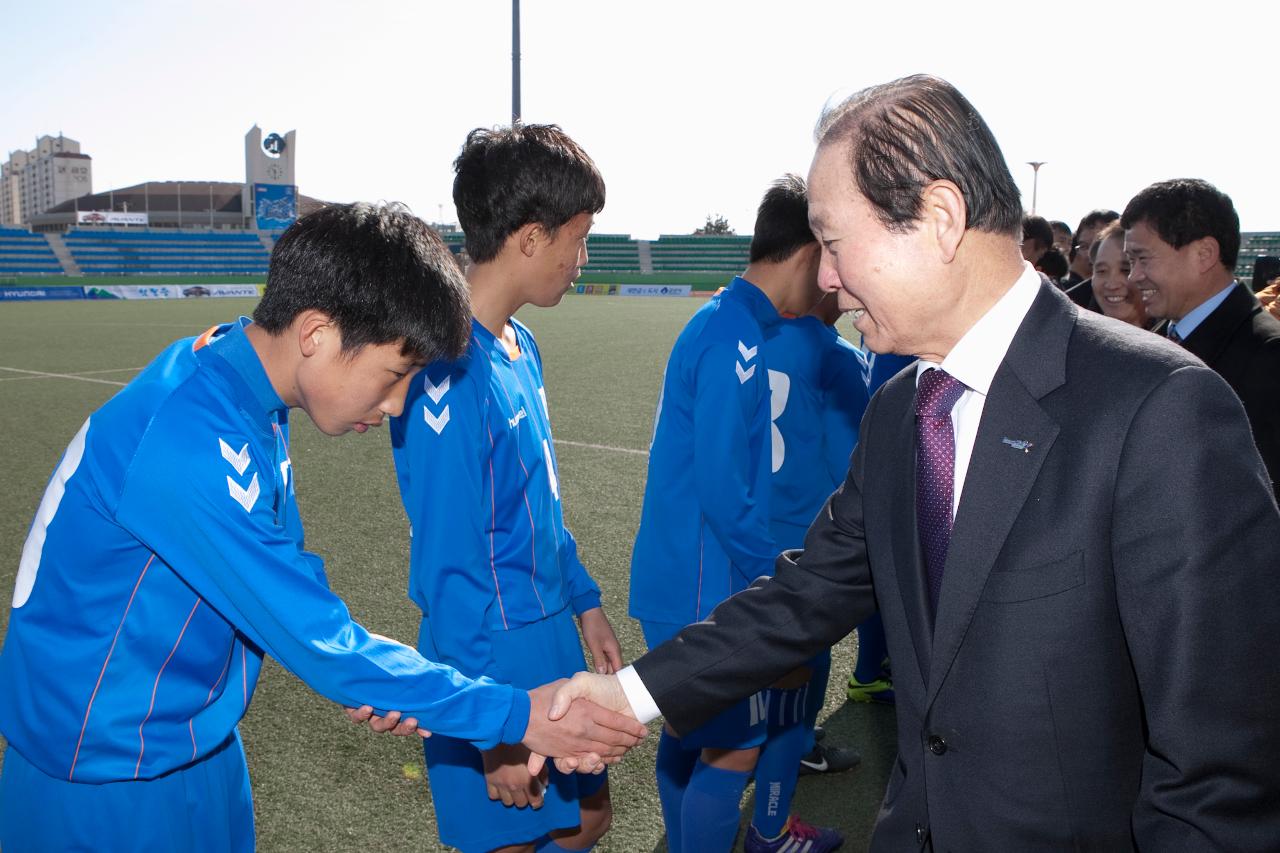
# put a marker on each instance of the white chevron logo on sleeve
(245, 497)
(240, 460)
(747, 354)
(436, 422)
(744, 375)
(435, 392)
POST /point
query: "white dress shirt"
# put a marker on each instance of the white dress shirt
(974, 361)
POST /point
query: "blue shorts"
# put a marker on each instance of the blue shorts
(526, 657)
(786, 708)
(741, 726)
(205, 807)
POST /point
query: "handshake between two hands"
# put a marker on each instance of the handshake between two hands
(584, 723)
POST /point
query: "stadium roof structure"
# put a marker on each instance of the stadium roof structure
(169, 204)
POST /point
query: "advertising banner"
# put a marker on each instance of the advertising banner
(109, 217)
(29, 294)
(171, 291)
(275, 206)
(655, 289)
(596, 289)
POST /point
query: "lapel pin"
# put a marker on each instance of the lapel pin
(1018, 444)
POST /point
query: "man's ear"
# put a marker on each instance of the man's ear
(314, 329)
(1207, 254)
(944, 213)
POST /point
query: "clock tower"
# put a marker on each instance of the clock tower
(271, 190)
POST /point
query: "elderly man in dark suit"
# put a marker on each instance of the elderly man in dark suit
(1051, 510)
(1182, 238)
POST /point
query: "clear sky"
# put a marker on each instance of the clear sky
(689, 108)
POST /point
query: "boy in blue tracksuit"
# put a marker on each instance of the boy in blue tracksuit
(167, 557)
(492, 565)
(819, 395)
(705, 523)
(871, 680)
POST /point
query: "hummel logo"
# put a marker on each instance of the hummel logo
(435, 392)
(436, 422)
(245, 497)
(515, 422)
(239, 461)
(1018, 444)
(748, 353)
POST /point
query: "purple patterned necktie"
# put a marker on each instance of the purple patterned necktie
(936, 393)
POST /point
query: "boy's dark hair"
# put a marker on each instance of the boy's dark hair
(508, 177)
(1094, 218)
(1037, 228)
(378, 271)
(1099, 216)
(1053, 263)
(908, 133)
(1184, 210)
(782, 221)
(1113, 229)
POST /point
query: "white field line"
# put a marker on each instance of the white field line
(40, 374)
(603, 447)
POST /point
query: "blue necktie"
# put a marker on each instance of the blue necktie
(936, 393)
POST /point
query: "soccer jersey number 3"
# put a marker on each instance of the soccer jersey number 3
(779, 391)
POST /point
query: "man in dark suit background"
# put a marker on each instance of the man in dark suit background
(1182, 238)
(1051, 512)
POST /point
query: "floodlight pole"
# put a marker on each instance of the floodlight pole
(1035, 181)
(515, 61)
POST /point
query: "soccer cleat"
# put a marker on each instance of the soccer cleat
(828, 759)
(819, 732)
(797, 837)
(879, 691)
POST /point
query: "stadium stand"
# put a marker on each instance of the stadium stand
(24, 253)
(100, 251)
(612, 253)
(1253, 244)
(724, 254)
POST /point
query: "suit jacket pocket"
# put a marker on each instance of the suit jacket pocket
(1035, 582)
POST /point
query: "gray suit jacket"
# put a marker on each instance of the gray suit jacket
(1102, 673)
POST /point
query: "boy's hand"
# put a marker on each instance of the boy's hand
(507, 776)
(390, 723)
(606, 653)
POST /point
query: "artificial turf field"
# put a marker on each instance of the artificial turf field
(320, 783)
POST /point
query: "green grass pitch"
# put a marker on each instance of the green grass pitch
(320, 783)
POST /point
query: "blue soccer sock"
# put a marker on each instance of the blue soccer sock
(816, 697)
(674, 768)
(776, 775)
(872, 649)
(709, 820)
(547, 844)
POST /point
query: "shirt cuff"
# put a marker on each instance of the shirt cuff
(517, 720)
(642, 704)
(588, 600)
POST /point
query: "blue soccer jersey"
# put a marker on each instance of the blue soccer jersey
(819, 393)
(477, 469)
(881, 368)
(165, 559)
(704, 527)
